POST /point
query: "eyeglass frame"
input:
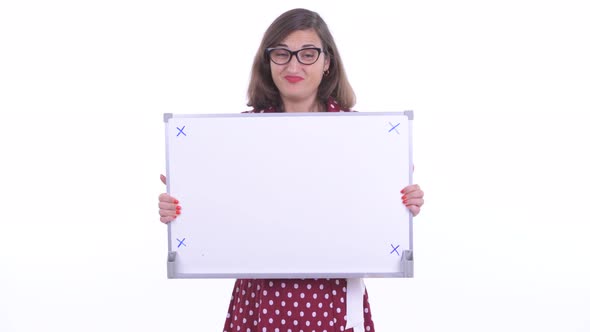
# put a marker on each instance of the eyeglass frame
(296, 53)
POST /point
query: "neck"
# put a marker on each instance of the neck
(310, 105)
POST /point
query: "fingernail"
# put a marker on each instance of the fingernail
(174, 217)
(175, 201)
(404, 197)
(177, 211)
(178, 207)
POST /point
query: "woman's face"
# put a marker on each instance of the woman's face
(296, 81)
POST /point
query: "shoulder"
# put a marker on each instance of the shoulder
(333, 106)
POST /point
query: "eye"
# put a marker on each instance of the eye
(280, 54)
(309, 54)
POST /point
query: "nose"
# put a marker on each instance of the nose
(293, 65)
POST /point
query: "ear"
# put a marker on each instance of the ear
(326, 62)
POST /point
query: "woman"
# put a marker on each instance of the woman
(297, 69)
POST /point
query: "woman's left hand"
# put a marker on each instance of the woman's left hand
(413, 198)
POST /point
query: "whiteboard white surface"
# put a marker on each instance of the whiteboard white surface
(289, 195)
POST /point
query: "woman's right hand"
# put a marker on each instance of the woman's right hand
(169, 208)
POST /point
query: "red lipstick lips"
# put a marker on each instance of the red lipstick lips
(293, 79)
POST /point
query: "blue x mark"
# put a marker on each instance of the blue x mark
(393, 128)
(180, 131)
(394, 250)
(181, 242)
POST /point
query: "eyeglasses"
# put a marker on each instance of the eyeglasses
(305, 56)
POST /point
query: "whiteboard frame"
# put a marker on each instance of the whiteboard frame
(407, 258)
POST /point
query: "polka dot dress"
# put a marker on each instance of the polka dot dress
(291, 305)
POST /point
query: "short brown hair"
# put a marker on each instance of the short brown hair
(263, 93)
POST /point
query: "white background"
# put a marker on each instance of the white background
(499, 90)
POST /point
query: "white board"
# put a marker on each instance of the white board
(283, 195)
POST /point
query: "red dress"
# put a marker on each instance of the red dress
(291, 305)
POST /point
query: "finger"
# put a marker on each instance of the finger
(163, 178)
(169, 206)
(413, 194)
(169, 213)
(167, 219)
(414, 201)
(164, 197)
(410, 188)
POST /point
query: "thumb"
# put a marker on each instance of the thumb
(163, 178)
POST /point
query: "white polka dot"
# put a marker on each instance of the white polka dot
(295, 322)
(315, 296)
(344, 289)
(265, 292)
(345, 317)
(327, 296)
(264, 329)
(247, 302)
(319, 323)
(277, 312)
(308, 286)
(283, 303)
(296, 286)
(283, 321)
(313, 314)
(249, 284)
(308, 305)
(302, 295)
(307, 323)
(341, 328)
(283, 285)
(270, 283)
(264, 311)
(320, 305)
(342, 299)
(244, 320)
(325, 314)
(337, 282)
(241, 310)
(368, 328)
(277, 329)
(289, 295)
(277, 294)
(235, 317)
(255, 323)
(321, 286)
(270, 320)
(337, 310)
(366, 310)
(251, 312)
(333, 292)
(228, 315)
(295, 304)
(253, 295)
(301, 313)
(331, 323)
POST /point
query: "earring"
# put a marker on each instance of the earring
(326, 72)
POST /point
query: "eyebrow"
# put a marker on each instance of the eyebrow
(304, 46)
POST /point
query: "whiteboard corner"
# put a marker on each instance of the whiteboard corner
(409, 114)
(167, 116)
